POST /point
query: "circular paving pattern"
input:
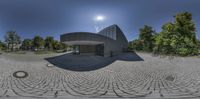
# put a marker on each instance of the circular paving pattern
(120, 79)
(107, 83)
(170, 78)
(20, 74)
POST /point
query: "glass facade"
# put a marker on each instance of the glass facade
(92, 49)
(99, 50)
(109, 32)
(76, 49)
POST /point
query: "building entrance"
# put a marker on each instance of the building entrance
(89, 49)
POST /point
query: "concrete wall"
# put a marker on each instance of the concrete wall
(114, 46)
(85, 36)
(120, 44)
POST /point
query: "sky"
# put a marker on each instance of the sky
(55, 17)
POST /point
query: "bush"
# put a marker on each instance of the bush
(183, 51)
(136, 45)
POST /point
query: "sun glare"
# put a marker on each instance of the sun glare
(99, 18)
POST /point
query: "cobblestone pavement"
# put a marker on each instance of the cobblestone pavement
(155, 77)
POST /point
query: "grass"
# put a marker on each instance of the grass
(40, 52)
(48, 52)
(16, 52)
(60, 51)
(43, 52)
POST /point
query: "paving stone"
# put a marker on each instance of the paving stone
(152, 78)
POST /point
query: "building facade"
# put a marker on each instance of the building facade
(108, 42)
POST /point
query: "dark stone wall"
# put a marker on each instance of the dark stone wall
(87, 48)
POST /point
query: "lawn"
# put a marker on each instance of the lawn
(48, 52)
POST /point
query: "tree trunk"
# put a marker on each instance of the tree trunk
(12, 47)
(8, 46)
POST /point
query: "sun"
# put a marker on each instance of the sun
(99, 18)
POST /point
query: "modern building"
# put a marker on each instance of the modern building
(108, 42)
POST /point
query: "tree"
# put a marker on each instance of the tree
(185, 27)
(136, 45)
(198, 44)
(166, 41)
(59, 46)
(63, 46)
(13, 39)
(130, 46)
(27, 44)
(56, 45)
(2, 46)
(146, 38)
(38, 42)
(178, 37)
(49, 42)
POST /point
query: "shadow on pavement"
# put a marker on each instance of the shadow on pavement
(89, 62)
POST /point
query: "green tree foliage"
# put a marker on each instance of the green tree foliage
(146, 41)
(38, 42)
(26, 44)
(63, 46)
(178, 37)
(146, 38)
(59, 46)
(2, 46)
(49, 41)
(130, 46)
(12, 39)
(136, 45)
(56, 45)
(198, 44)
(166, 41)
